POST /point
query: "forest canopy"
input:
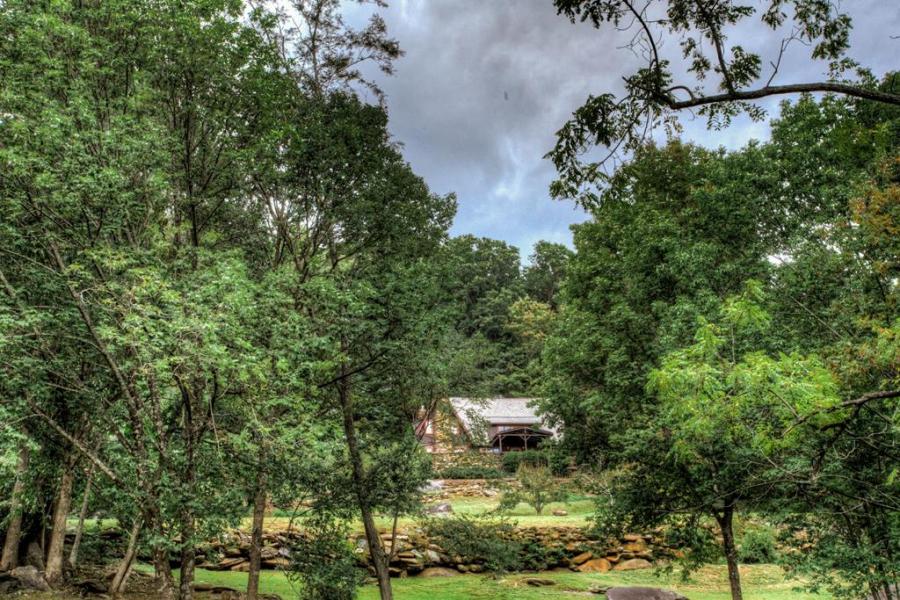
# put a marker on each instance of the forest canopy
(224, 290)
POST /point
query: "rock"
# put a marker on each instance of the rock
(29, 577)
(243, 567)
(560, 513)
(598, 588)
(440, 509)
(225, 564)
(34, 556)
(275, 563)
(641, 593)
(633, 564)
(636, 546)
(433, 485)
(91, 587)
(596, 565)
(438, 572)
(8, 584)
(582, 558)
(538, 582)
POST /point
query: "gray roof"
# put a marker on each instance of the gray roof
(478, 414)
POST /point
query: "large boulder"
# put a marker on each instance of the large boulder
(595, 565)
(633, 564)
(641, 593)
(582, 558)
(30, 578)
(440, 509)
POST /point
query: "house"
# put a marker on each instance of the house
(488, 425)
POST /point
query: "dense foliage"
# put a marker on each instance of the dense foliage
(728, 340)
(222, 286)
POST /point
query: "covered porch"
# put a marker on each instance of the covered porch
(518, 438)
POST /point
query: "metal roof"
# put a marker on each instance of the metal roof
(477, 415)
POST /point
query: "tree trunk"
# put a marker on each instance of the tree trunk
(163, 571)
(121, 577)
(161, 566)
(188, 552)
(259, 514)
(82, 514)
(734, 575)
(9, 558)
(376, 551)
(55, 556)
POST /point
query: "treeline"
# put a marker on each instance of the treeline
(729, 342)
(501, 314)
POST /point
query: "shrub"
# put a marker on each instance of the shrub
(549, 455)
(324, 563)
(537, 489)
(757, 545)
(483, 540)
(512, 460)
(471, 473)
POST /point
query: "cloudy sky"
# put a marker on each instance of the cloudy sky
(484, 84)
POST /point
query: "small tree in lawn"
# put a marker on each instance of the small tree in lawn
(537, 489)
(723, 431)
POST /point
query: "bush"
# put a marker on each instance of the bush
(482, 540)
(757, 545)
(550, 455)
(532, 458)
(471, 473)
(323, 562)
(537, 489)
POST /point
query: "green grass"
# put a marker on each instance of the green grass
(579, 509)
(710, 583)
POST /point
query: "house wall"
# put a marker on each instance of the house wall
(449, 446)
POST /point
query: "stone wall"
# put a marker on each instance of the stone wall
(415, 554)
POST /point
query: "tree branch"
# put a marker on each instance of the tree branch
(780, 90)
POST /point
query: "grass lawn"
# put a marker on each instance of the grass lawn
(710, 583)
(579, 509)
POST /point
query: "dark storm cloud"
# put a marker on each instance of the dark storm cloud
(485, 84)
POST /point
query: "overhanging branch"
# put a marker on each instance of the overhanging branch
(780, 90)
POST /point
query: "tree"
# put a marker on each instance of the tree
(727, 414)
(678, 228)
(536, 488)
(721, 81)
(546, 271)
(822, 243)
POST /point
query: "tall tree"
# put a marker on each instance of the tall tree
(677, 230)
